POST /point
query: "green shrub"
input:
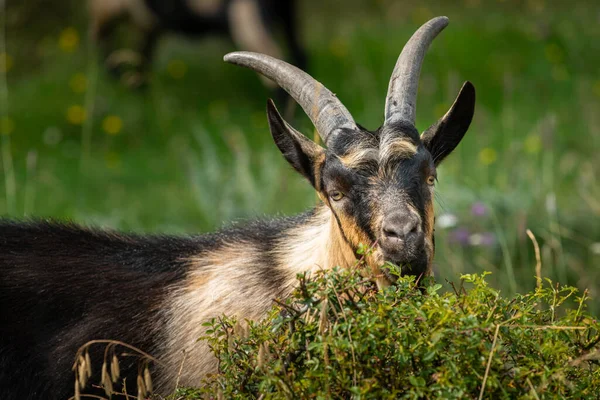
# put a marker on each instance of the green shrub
(339, 337)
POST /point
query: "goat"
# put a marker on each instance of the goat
(62, 285)
(249, 23)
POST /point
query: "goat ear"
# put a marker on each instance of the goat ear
(442, 137)
(302, 153)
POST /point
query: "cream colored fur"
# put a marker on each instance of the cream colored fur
(223, 282)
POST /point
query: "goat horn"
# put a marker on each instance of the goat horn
(401, 99)
(324, 109)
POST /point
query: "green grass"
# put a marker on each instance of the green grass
(195, 152)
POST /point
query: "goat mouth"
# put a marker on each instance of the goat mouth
(404, 267)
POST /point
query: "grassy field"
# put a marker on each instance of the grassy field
(193, 151)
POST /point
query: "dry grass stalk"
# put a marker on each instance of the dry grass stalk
(77, 395)
(147, 379)
(88, 364)
(83, 367)
(260, 359)
(230, 340)
(105, 380)
(538, 259)
(82, 375)
(141, 388)
(104, 373)
(115, 371)
(323, 317)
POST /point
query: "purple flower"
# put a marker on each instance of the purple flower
(479, 209)
(460, 235)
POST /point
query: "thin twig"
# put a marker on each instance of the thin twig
(552, 327)
(489, 363)
(453, 288)
(290, 309)
(180, 370)
(538, 259)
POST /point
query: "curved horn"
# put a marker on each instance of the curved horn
(401, 100)
(325, 111)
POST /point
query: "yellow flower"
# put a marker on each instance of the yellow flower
(488, 156)
(78, 83)
(68, 41)
(6, 62)
(112, 124)
(177, 69)
(76, 114)
(533, 144)
(7, 125)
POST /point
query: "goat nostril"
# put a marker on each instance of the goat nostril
(390, 232)
(415, 228)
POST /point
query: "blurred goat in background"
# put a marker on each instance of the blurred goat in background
(250, 24)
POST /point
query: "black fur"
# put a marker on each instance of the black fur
(443, 136)
(299, 151)
(62, 285)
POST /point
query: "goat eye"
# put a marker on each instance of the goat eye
(431, 180)
(336, 195)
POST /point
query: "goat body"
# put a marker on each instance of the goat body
(62, 285)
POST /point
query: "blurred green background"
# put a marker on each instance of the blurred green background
(193, 151)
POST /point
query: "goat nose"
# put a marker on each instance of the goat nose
(401, 227)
